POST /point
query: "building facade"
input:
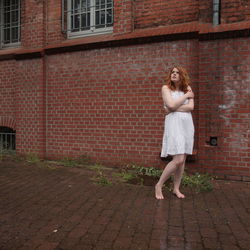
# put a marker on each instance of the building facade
(84, 77)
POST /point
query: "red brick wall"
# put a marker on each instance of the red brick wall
(54, 30)
(235, 11)
(151, 13)
(231, 11)
(224, 75)
(205, 11)
(32, 28)
(107, 103)
(8, 87)
(29, 106)
(124, 16)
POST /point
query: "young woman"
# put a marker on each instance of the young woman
(178, 138)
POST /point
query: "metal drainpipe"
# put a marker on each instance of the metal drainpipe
(216, 12)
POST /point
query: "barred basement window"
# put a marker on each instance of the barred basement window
(9, 23)
(87, 17)
(7, 139)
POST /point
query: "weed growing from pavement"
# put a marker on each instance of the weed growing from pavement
(5, 153)
(84, 160)
(101, 179)
(130, 174)
(81, 161)
(32, 158)
(201, 182)
(2, 154)
(68, 162)
(148, 171)
(126, 176)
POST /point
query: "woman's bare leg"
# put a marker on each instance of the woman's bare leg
(178, 176)
(169, 169)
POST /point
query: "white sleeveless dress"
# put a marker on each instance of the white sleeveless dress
(178, 137)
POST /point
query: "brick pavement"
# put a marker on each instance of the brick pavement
(62, 209)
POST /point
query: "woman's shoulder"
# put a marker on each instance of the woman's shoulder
(165, 88)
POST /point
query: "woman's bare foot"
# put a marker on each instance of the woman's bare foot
(158, 192)
(179, 194)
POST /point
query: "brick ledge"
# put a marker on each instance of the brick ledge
(201, 31)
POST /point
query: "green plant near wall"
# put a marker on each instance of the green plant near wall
(126, 176)
(6, 153)
(201, 182)
(2, 154)
(68, 162)
(102, 180)
(149, 171)
(32, 158)
(81, 161)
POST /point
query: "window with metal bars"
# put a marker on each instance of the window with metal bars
(9, 23)
(7, 138)
(87, 17)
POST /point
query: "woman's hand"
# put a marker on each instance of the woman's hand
(167, 110)
(190, 94)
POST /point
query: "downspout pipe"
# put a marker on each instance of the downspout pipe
(216, 12)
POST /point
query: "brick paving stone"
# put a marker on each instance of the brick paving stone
(103, 245)
(176, 241)
(175, 231)
(208, 233)
(211, 243)
(122, 243)
(109, 236)
(190, 245)
(230, 247)
(226, 239)
(193, 237)
(158, 234)
(244, 244)
(67, 243)
(224, 229)
(63, 209)
(158, 244)
(47, 246)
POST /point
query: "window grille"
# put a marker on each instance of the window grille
(7, 139)
(9, 23)
(87, 17)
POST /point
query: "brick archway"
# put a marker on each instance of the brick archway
(7, 121)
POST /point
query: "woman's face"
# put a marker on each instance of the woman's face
(175, 75)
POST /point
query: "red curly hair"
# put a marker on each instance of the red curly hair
(184, 79)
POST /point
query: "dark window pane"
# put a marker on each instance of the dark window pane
(97, 17)
(109, 16)
(85, 22)
(72, 7)
(76, 22)
(88, 19)
(77, 6)
(14, 35)
(98, 4)
(103, 17)
(83, 6)
(103, 5)
(14, 16)
(6, 37)
(7, 19)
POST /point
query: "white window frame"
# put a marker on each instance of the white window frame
(93, 30)
(2, 42)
